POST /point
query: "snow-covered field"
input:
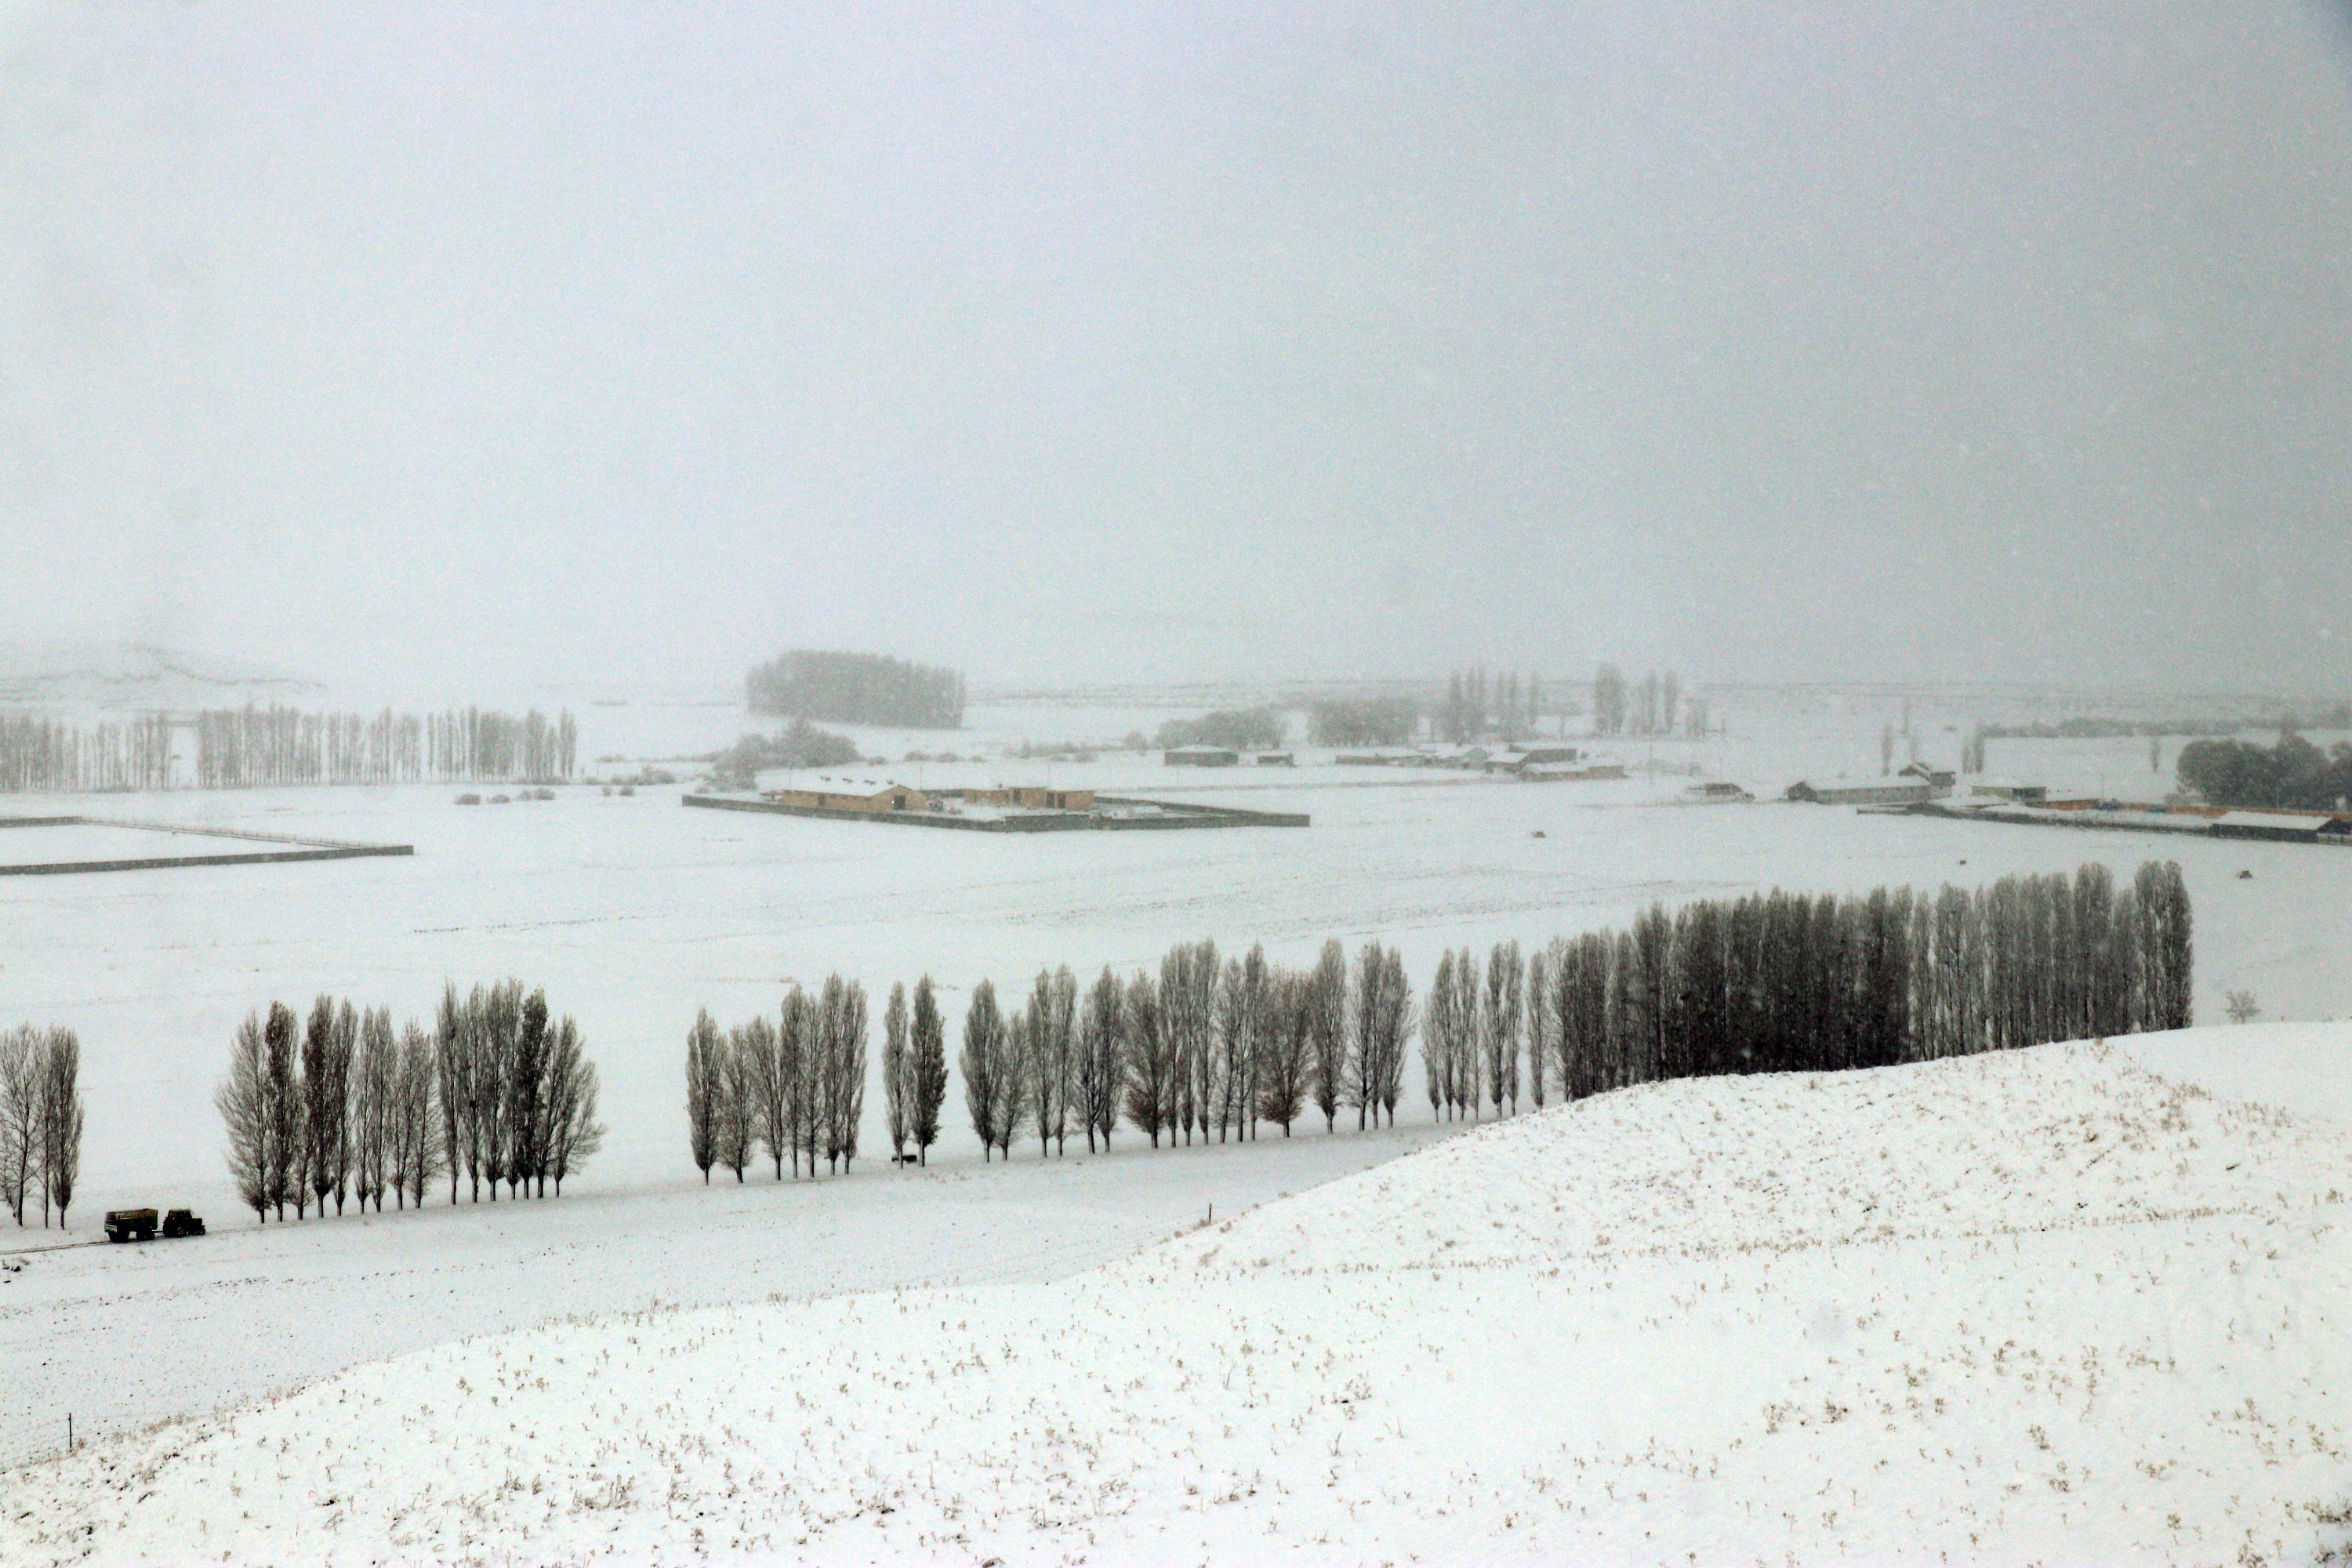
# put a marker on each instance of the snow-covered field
(2047, 1306)
(634, 913)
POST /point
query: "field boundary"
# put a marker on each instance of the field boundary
(289, 848)
(1171, 815)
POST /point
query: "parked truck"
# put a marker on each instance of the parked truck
(140, 1224)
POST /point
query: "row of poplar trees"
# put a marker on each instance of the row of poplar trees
(40, 1121)
(1774, 982)
(792, 1090)
(496, 1091)
(1202, 1045)
(1783, 982)
(239, 747)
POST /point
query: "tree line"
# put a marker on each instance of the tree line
(275, 745)
(1774, 982)
(342, 1106)
(1199, 1045)
(799, 745)
(49, 754)
(791, 1089)
(40, 1121)
(1478, 705)
(1231, 729)
(240, 748)
(1392, 720)
(856, 688)
(1784, 981)
(2293, 775)
(1650, 707)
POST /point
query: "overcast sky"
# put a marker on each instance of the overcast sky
(480, 343)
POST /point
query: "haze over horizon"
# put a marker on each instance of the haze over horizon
(1996, 343)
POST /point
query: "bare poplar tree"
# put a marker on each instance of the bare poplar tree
(770, 1090)
(706, 1089)
(1543, 1018)
(1584, 1034)
(734, 1121)
(1249, 1037)
(1461, 1044)
(844, 1034)
(1498, 1027)
(1328, 1071)
(801, 1040)
(1394, 1011)
(452, 1063)
(573, 1133)
(61, 1123)
(897, 1081)
(1437, 1052)
(1188, 1001)
(420, 1142)
(335, 1142)
(1234, 1027)
(983, 1062)
(1020, 1062)
(498, 1037)
(522, 1098)
(928, 1049)
(1282, 1067)
(572, 1129)
(243, 1100)
(284, 1149)
(1051, 1058)
(1102, 1059)
(375, 1077)
(20, 1121)
(1150, 1077)
(1364, 1067)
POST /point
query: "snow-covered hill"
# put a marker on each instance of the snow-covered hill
(2042, 1306)
(104, 676)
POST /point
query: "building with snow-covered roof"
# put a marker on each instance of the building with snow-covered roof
(852, 794)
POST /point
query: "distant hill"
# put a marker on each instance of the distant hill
(136, 675)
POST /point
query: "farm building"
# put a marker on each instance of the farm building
(1569, 773)
(1199, 757)
(1381, 757)
(1879, 792)
(1277, 759)
(2282, 826)
(1032, 797)
(853, 794)
(1520, 757)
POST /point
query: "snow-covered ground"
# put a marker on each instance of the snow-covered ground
(634, 912)
(2045, 1306)
(118, 1337)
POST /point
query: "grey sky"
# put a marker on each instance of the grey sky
(476, 343)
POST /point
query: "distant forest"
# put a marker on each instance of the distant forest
(239, 748)
(1362, 721)
(2294, 775)
(1234, 729)
(856, 688)
(2338, 717)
